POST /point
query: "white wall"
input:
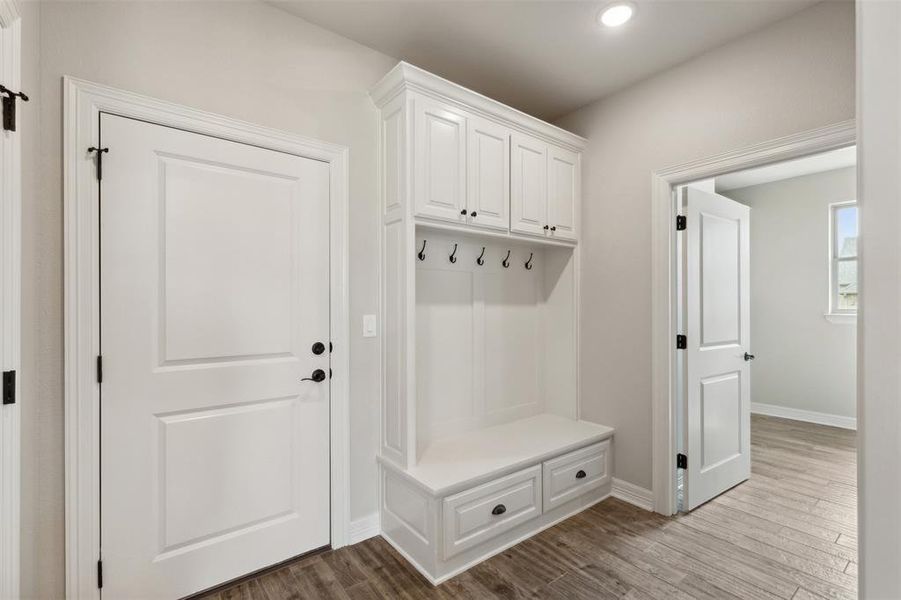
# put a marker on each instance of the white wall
(795, 75)
(804, 362)
(879, 343)
(242, 59)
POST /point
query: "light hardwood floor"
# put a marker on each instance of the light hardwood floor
(789, 532)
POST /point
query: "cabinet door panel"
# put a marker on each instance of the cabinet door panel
(488, 175)
(528, 185)
(439, 162)
(563, 192)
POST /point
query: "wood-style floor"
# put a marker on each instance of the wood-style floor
(789, 532)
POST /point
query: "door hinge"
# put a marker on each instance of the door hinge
(98, 162)
(681, 222)
(681, 461)
(9, 387)
(9, 107)
(681, 342)
(99, 369)
(99, 573)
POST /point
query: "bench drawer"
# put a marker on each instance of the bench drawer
(576, 473)
(483, 512)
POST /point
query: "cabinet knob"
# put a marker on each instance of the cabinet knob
(546, 227)
(499, 509)
(581, 474)
(473, 215)
(554, 228)
(463, 212)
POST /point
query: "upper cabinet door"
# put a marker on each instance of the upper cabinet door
(563, 193)
(439, 160)
(488, 174)
(528, 185)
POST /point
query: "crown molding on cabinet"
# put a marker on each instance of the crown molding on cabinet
(408, 77)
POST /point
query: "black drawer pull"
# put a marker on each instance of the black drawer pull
(499, 509)
(581, 475)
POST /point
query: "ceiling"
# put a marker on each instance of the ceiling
(545, 57)
(818, 163)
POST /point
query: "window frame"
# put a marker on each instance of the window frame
(835, 259)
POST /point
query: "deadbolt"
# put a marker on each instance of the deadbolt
(318, 348)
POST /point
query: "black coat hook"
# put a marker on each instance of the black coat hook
(480, 260)
(506, 261)
(453, 256)
(529, 262)
(421, 255)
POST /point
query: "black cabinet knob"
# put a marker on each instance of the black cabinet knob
(554, 228)
(318, 348)
(463, 212)
(749, 356)
(473, 215)
(318, 376)
(581, 474)
(546, 227)
(499, 509)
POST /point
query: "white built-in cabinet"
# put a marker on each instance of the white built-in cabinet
(481, 440)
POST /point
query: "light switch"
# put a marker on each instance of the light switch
(368, 325)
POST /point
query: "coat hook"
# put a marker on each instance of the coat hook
(529, 262)
(453, 256)
(480, 260)
(506, 261)
(421, 255)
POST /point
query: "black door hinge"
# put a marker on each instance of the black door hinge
(9, 107)
(9, 387)
(681, 461)
(99, 160)
(681, 342)
(99, 573)
(681, 222)
(99, 369)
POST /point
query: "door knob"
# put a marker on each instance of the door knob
(318, 348)
(318, 376)
(749, 356)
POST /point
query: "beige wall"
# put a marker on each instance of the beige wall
(795, 75)
(245, 60)
(803, 361)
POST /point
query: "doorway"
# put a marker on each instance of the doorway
(206, 331)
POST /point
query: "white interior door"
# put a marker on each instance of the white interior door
(717, 324)
(214, 289)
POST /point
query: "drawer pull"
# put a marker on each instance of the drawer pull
(580, 475)
(499, 509)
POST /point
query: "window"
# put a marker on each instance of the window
(843, 258)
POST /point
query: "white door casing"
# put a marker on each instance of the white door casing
(528, 185)
(717, 317)
(488, 174)
(563, 192)
(440, 161)
(214, 287)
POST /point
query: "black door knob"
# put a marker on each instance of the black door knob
(318, 348)
(749, 356)
(318, 376)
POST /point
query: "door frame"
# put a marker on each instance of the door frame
(10, 306)
(664, 374)
(83, 102)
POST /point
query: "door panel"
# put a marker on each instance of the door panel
(214, 286)
(528, 185)
(563, 192)
(488, 175)
(440, 162)
(717, 317)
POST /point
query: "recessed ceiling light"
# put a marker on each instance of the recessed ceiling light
(617, 14)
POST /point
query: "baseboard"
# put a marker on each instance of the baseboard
(363, 529)
(633, 494)
(808, 416)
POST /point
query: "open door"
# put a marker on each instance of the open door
(717, 320)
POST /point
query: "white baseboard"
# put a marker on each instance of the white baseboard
(363, 529)
(633, 494)
(808, 416)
